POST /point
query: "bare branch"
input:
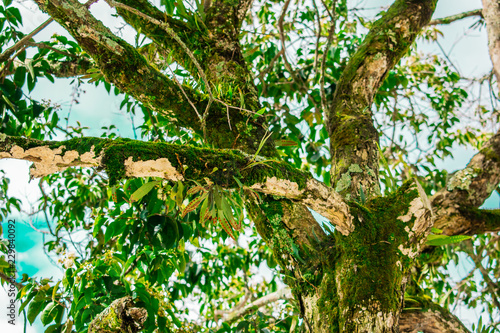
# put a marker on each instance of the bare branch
(453, 18)
(22, 42)
(282, 294)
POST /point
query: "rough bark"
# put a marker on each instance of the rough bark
(491, 13)
(353, 136)
(119, 316)
(456, 205)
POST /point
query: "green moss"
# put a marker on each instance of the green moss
(329, 301)
(371, 266)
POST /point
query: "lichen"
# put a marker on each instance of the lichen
(344, 182)
(463, 179)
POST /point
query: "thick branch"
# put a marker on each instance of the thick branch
(130, 72)
(491, 13)
(468, 189)
(453, 18)
(124, 158)
(353, 136)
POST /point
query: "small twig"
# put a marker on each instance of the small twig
(323, 60)
(184, 93)
(45, 46)
(11, 280)
(284, 293)
(22, 42)
(318, 37)
(453, 18)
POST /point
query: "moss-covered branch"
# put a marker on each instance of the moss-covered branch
(125, 158)
(353, 136)
(469, 187)
(119, 316)
(124, 66)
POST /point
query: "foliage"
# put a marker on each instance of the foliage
(169, 244)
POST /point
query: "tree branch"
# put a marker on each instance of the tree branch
(22, 42)
(130, 72)
(353, 136)
(125, 158)
(282, 294)
(456, 205)
(145, 19)
(453, 18)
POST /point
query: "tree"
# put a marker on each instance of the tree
(234, 123)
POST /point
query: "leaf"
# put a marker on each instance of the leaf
(33, 310)
(259, 113)
(285, 143)
(240, 185)
(193, 204)
(194, 190)
(439, 240)
(225, 225)
(143, 190)
(228, 213)
(46, 316)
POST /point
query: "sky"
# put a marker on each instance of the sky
(97, 109)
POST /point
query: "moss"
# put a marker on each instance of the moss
(490, 153)
(371, 250)
(329, 301)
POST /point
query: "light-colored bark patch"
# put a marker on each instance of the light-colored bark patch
(281, 187)
(317, 196)
(48, 161)
(153, 168)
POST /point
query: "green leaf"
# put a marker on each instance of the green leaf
(33, 310)
(193, 204)
(259, 113)
(143, 190)
(439, 240)
(285, 143)
(47, 315)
